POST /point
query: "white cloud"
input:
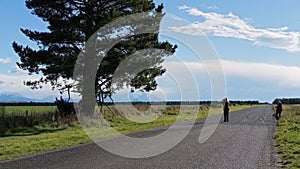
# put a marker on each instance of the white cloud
(14, 84)
(282, 76)
(183, 7)
(279, 75)
(4, 60)
(160, 94)
(176, 18)
(181, 80)
(17, 70)
(232, 26)
(178, 83)
(213, 7)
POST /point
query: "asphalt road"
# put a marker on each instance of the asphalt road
(245, 142)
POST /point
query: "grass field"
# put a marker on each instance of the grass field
(287, 137)
(31, 140)
(22, 109)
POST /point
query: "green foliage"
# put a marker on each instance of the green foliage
(64, 107)
(65, 111)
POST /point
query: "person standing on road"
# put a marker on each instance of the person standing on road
(226, 110)
(278, 110)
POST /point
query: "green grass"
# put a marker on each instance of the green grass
(28, 141)
(287, 137)
(40, 139)
(240, 107)
(16, 110)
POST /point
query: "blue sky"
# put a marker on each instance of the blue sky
(257, 43)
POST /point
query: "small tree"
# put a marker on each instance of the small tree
(65, 110)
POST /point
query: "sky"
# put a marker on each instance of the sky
(257, 44)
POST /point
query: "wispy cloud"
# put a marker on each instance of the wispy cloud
(183, 7)
(213, 7)
(4, 60)
(230, 25)
(17, 70)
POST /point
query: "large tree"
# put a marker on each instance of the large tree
(71, 24)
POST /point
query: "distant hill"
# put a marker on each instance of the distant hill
(8, 97)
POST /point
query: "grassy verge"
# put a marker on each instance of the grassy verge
(41, 138)
(287, 137)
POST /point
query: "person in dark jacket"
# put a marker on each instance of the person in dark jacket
(226, 110)
(278, 110)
